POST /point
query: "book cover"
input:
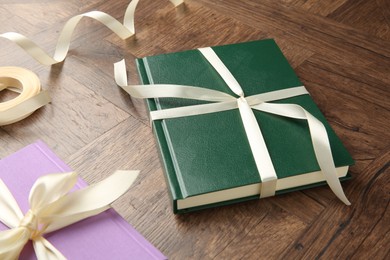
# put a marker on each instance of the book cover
(205, 155)
(104, 236)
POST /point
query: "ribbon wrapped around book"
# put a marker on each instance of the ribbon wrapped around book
(52, 208)
(223, 102)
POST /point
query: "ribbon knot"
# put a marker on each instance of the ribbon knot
(242, 98)
(30, 222)
(52, 207)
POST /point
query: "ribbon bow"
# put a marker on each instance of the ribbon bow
(52, 208)
(223, 102)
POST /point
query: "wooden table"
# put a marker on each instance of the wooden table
(340, 50)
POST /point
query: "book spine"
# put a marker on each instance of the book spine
(161, 141)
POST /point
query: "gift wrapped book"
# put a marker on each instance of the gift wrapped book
(103, 236)
(247, 128)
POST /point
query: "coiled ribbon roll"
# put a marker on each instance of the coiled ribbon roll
(31, 96)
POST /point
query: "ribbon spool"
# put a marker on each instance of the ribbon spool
(30, 98)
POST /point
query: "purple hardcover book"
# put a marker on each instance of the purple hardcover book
(105, 236)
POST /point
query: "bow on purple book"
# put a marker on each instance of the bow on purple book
(52, 207)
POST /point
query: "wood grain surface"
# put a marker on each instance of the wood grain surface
(339, 49)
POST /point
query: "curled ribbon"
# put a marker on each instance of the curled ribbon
(52, 208)
(124, 31)
(26, 82)
(223, 102)
(31, 96)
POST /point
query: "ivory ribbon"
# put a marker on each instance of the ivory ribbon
(26, 82)
(52, 208)
(245, 105)
(177, 2)
(31, 95)
(124, 31)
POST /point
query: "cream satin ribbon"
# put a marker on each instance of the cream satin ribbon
(52, 208)
(177, 2)
(31, 95)
(124, 31)
(245, 105)
(27, 83)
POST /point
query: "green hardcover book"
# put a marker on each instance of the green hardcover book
(207, 158)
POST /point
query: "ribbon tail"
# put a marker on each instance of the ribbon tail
(88, 201)
(64, 221)
(12, 242)
(324, 156)
(46, 251)
(10, 212)
(320, 142)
